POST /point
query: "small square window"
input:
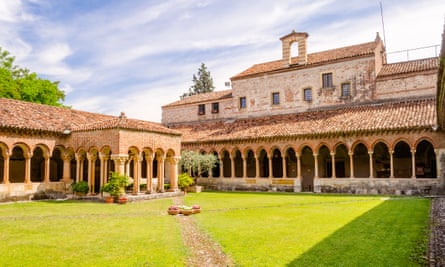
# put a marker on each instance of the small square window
(275, 98)
(242, 102)
(201, 109)
(215, 107)
(327, 80)
(345, 89)
(308, 94)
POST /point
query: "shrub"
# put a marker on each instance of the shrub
(80, 187)
(184, 180)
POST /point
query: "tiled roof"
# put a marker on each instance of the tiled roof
(409, 66)
(313, 59)
(216, 95)
(15, 114)
(376, 117)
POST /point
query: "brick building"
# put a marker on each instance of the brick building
(44, 147)
(342, 120)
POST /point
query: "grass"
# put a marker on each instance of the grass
(255, 229)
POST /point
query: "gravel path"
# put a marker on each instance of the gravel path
(437, 235)
(203, 250)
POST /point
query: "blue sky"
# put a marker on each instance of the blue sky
(135, 56)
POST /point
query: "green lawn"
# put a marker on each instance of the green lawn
(255, 229)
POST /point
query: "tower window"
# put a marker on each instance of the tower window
(327, 80)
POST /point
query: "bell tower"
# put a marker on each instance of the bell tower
(286, 43)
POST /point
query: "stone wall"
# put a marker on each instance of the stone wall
(411, 85)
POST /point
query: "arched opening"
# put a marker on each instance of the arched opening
(96, 182)
(361, 161)
(144, 165)
(381, 161)
(264, 164)
(216, 170)
(402, 160)
(56, 166)
(251, 164)
(277, 164)
(291, 163)
(324, 162)
(37, 165)
(342, 163)
(227, 164)
(426, 166)
(17, 165)
(307, 169)
(238, 164)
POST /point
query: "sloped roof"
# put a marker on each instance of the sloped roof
(372, 117)
(409, 67)
(313, 59)
(216, 95)
(15, 114)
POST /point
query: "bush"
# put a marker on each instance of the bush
(80, 187)
(184, 180)
(116, 184)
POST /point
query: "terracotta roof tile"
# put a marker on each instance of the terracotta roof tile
(15, 114)
(405, 115)
(409, 66)
(216, 95)
(312, 59)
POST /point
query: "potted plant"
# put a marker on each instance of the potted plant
(184, 181)
(173, 210)
(80, 188)
(116, 187)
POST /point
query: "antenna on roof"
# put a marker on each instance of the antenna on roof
(383, 24)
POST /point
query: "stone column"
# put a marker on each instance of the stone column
(298, 165)
(270, 168)
(6, 167)
(91, 166)
(28, 157)
(149, 159)
(136, 173)
(257, 167)
(103, 168)
(66, 157)
(221, 169)
(334, 174)
(78, 167)
(119, 162)
(174, 173)
(351, 163)
(244, 166)
(316, 166)
(391, 153)
(46, 168)
(413, 163)
(160, 160)
(371, 165)
(232, 166)
(284, 166)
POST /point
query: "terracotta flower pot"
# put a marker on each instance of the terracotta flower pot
(173, 212)
(187, 212)
(109, 200)
(122, 200)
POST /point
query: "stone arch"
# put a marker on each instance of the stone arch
(17, 163)
(277, 163)
(291, 162)
(402, 160)
(381, 160)
(426, 165)
(307, 169)
(342, 161)
(360, 160)
(324, 162)
(263, 162)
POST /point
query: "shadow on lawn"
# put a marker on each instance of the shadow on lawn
(387, 235)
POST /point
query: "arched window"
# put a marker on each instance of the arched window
(324, 162)
(342, 163)
(277, 164)
(17, 165)
(402, 160)
(381, 161)
(37, 165)
(238, 160)
(264, 164)
(291, 163)
(227, 164)
(361, 161)
(426, 166)
(251, 164)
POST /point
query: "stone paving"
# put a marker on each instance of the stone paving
(436, 250)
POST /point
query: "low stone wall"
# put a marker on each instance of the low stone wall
(400, 186)
(21, 191)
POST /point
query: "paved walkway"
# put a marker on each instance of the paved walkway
(437, 235)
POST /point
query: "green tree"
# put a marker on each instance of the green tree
(202, 82)
(196, 163)
(21, 84)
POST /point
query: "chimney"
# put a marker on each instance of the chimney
(286, 43)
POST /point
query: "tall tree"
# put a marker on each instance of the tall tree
(18, 83)
(202, 82)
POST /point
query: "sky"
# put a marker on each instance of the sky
(113, 56)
